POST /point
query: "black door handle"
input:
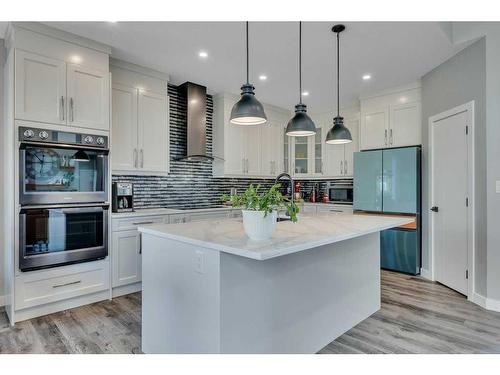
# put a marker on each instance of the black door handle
(435, 208)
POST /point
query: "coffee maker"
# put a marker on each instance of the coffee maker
(123, 197)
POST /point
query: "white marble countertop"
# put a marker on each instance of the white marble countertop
(165, 211)
(311, 231)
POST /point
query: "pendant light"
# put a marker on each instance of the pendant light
(301, 124)
(338, 134)
(248, 110)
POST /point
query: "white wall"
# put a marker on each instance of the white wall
(457, 81)
(463, 31)
(2, 250)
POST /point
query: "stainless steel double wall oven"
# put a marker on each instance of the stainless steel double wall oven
(63, 193)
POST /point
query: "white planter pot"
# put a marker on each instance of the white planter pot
(257, 226)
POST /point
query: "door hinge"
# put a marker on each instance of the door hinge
(467, 202)
(467, 274)
(466, 129)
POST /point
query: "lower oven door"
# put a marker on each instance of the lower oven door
(54, 236)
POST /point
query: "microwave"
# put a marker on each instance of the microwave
(340, 192)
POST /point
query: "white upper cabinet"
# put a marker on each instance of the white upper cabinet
(272, 150)
(339, 158)
(141, 141)
(374, 128)
(50, 87)
(247, 151)
(40, 86)
(87, 97)
(406, 122)
(124, 115)
(391, 119)
(153, 141)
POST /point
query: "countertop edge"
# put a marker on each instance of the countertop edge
(269, 254)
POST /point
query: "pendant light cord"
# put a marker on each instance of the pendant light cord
(247, 52)
(300, 62)
(338, 75)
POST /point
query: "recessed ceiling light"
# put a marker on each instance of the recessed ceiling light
(203, 54)
(366, 77)
(263, 77)
(305, 93)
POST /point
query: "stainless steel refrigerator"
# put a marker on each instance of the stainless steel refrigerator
(389, 182)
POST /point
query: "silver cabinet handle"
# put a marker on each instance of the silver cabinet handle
(71, 109)
(247, 166)
(143, 222)
(66, 284)
(341, 167)
(243, 165)
(390, 136)
(140, 243)
(345, 166)
(271, 167)
(142, 158)
(321, 166)
(135, 158)
(62, 109)
(385, 137)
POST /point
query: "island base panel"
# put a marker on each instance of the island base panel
(296, 303)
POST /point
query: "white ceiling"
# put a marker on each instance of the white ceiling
(394, 53)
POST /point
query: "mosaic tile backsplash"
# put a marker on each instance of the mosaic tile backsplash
(189, 184)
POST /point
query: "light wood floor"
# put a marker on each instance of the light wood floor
(417, 316)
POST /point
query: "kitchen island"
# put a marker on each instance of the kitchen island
(207, 288)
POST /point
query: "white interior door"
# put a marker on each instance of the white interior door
(153, 132)
(40, 88)
(124, 126)
(88, 97)
(449, 190)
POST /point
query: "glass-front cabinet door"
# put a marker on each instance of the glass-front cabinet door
(318, 151)
(286, 153)
(301, 156)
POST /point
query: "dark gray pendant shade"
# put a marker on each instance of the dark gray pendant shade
(300, 125)
(339, 134)
(248, 110)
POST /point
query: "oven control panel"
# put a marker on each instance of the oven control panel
(53, 136)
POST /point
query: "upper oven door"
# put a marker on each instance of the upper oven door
(55, 174)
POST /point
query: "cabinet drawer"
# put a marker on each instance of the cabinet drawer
(201, 216)
(41, 287)
(134, 222)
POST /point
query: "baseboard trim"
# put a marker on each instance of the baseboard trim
(487, 303)
(426, 274)
(126, 289)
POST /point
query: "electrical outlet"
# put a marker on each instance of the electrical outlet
(497, 186)
(199, 262)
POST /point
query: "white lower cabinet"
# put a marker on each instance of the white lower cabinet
(126, 258)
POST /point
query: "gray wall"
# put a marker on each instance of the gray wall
(455, 82)
(2, 250)
(462, 32)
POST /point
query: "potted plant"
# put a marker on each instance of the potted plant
(260, 210)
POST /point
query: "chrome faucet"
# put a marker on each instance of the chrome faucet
(291, 183)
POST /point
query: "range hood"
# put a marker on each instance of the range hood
(195, 97)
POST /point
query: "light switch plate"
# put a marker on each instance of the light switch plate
(498, 186)
(199, 262)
